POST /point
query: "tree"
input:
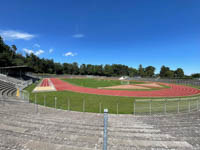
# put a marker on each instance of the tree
(196, 75)
(163, 71)
(19, 60)
(141, 71)
(5, 54)
(108, 70)
(149, 71)
(179, 73)
(58, 68)
(10, 57)
(83, 70)
(169, 74)
(89, 69)
(98, 70)
(50, 66)
(14, 48)
(132, 72)
(33, 62)
(75, 68)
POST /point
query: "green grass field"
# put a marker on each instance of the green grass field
(92, 83)
(115, 104)
(96, 83)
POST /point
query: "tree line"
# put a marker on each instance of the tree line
(9, 57)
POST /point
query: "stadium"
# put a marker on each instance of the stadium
(67, 112)
(99, 75)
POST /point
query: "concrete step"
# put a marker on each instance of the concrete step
(177, 145)
(17, 143)
(76, 130)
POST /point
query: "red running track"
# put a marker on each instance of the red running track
(174, 91)
(45, 82)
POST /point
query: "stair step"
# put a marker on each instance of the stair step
(149, 143)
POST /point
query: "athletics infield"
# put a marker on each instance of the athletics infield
(173, 91)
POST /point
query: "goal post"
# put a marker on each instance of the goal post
(125, 82)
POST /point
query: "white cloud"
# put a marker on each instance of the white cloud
(40, 51)
(70, 54)
(50, 50)
(36, 45)
(29, 51)
(14, 35)
(78, 36)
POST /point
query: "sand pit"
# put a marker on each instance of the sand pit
(45, 86)
(129, 86)
(150, 85)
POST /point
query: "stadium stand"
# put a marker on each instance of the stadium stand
(50, 129)
(7, 90)
(20, 83)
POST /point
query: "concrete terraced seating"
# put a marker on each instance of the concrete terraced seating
(51, 129)
(20, 83)
(7, 90)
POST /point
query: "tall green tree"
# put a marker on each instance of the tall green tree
(90, 69)
(58, 68)
(169, 74)
(108, 70)
(141, 71)
(179, 73)
(149, 71)
(75, 68)
(163, 71)
(196, 75)
(83, 70)
(132, 72)
(6, 54)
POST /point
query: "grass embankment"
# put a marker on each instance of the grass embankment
(93, 103)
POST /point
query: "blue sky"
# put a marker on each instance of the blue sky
(130, 32)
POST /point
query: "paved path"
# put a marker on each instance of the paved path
(174, 91)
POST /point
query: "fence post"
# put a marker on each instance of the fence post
(189, 106)
(165, 106)
(117, 108)
(68, 105)
(28, 97)
(99, 107)
(105, 129)
(83, 105)
(134, 107)
(44, 100)
(55, 102)
(197, 104)
(36, 106)
(178, 108)
(23, 95)
(150, 107)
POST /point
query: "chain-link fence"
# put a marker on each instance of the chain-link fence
(135, 106)
(24, 95)
(166, 106)
(193, 82)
